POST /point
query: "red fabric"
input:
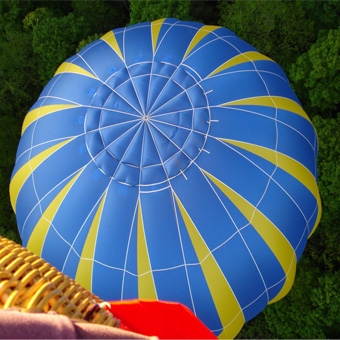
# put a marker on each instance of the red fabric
(166, 320)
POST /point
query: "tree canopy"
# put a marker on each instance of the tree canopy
(279, 29)
(316, 74)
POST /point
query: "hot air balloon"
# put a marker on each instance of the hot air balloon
(172, 161)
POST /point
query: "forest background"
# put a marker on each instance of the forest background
(302, 36)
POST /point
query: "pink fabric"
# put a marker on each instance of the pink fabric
(18, 325)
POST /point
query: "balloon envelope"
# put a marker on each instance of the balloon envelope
(170, 160)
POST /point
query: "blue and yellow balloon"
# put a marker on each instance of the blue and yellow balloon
(170, 160)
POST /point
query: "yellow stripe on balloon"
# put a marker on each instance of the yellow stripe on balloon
(271, 235)
(155, 29)
(39, 112)
(271, 101)
(240, 59)
(111, 40)
(67, 67)
(26, 170)
(146, 285)
(288, 164)
(85, 266)
(230, 312)
(201, 33)
(37, 238)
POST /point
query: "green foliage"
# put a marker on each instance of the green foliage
(325, 14)
(10, 233)
(17, 69)
(101, 16)
(325, 299)
(323, 246)
(16, 91)
(310, 311)
(55, 39)
(206, 11)
(316, 73)
(329, 167)
(290, 318)
(9, 137)
(279, 29)
(149, 10)
(32, 19)
(11, 14)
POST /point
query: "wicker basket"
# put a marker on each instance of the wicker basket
(30, 283)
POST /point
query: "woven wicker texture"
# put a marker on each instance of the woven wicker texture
(30, 283)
